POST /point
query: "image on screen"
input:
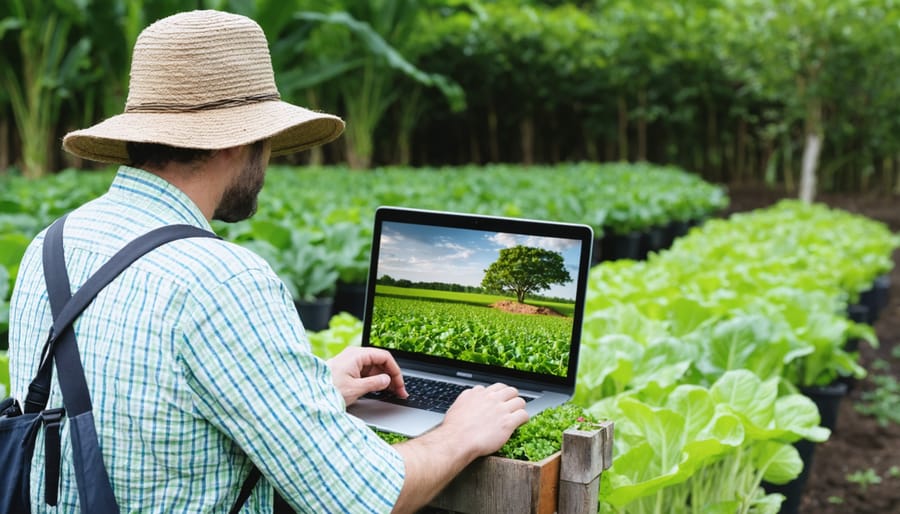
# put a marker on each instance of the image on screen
(492, 298)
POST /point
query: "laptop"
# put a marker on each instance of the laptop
(463, 299)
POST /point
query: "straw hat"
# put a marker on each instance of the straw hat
(203, 79)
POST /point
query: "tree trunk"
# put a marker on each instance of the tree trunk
(642, 126)
(4, 145)
(493, 134)
(740, 150)
(474, 148)
(811, 150)
(623, 128)
(526, 131)
(896, 160)
(787, 163)
(810, 162)
(590, 148)
(711, 156)
(767, 164)
(316, 157)
(409, 114)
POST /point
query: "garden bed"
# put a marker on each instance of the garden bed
(566, 482)
(858, 443)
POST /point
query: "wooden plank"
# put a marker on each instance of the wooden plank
(500, 485)
(585, 454)
(577, 498)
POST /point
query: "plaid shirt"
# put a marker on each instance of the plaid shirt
(197, 363)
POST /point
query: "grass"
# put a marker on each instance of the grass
(480, 299)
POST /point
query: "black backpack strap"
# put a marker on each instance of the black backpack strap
(59, 292)
(246, 489)
(94, 491)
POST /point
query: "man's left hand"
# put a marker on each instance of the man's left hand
(357, 371)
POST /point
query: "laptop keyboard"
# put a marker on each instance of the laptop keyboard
(425, 394)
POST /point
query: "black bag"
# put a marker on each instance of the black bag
(18, 429)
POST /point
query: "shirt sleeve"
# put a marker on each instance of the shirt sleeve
(254, 377)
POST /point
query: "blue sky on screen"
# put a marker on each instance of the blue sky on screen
(459, 256)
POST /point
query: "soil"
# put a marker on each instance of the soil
(858, 442)
(524, 308)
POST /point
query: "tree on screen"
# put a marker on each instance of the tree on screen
(524, 269)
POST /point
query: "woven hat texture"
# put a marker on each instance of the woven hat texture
(203, 79)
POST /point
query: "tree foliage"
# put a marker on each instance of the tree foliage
(525, 269)
(731, 89)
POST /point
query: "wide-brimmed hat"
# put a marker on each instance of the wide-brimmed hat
(203, 79)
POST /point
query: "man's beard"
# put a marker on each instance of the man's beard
(240, 198)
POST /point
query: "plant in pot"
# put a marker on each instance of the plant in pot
(820, 371)
(622, 233)
(311, 279)
(349, 244)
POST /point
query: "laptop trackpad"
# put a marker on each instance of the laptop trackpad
(390, 417)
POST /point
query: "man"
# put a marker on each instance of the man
(196, 360)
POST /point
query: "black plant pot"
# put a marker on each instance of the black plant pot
(859, 313)
(597, 251)
(882, 287)
(651, 241)
(828, 400)
(620, 246)
(876, 297)
(350, 298)
(315, 314)
(672, 231)
(793, 490)
(850, 346)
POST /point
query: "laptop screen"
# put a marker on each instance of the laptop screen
(478, 293)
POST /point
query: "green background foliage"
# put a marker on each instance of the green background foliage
(726, 88)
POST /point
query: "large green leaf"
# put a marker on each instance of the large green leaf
(378, 47)
(749, 398)
(779, 462)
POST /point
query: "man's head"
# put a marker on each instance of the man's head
(203, 80)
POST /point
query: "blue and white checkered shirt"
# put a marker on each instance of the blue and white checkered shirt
(197, 364)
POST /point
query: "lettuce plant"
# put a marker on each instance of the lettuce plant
(343, 330)
(693, 449)
(697, 354)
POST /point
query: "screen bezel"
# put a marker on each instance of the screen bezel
(578, 232)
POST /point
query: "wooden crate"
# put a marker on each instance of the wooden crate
(567, 482)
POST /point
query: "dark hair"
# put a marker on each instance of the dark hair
(158, 155)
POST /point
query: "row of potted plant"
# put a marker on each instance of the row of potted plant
(314, 223)
(700, 354)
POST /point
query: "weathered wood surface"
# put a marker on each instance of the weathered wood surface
(567, 482)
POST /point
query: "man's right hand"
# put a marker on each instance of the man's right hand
(478, 423)
(485, 417)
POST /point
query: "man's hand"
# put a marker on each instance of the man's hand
(485, 417)
(357, 371)
(478, 423)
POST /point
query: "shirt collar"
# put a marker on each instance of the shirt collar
(146, 191)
